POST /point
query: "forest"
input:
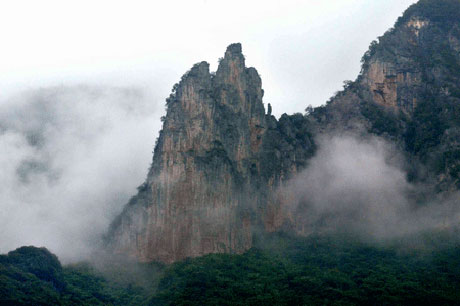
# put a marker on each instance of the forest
(279, 270)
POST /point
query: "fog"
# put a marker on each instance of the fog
(357, 185)
(71, 158)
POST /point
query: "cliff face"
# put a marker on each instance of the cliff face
(392, 75)
(213, 168)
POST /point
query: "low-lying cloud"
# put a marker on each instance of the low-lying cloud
(357, 185)
(71, 157)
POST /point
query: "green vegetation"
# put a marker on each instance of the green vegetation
(279, 270)
(383, 121)
(314, 271)
(440, 11)
(426, 128)
(34, 276)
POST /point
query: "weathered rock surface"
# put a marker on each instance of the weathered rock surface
(215, 162)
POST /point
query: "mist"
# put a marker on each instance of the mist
(71, 158)
(357, 185)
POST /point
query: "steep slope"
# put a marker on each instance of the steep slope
(216, 159)
(408, 91)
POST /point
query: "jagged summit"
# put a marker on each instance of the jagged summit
(234, 54)
(232, 64)
(194, 200)
(234, 49)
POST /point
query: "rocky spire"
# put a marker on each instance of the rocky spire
(195, 199)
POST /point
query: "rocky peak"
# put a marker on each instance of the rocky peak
(194, 201)
(239, 87)
(233, 57)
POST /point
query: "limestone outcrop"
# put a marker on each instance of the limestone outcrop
(215, 162)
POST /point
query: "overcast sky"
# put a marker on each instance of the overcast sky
(303, 50)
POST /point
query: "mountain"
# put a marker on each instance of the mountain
(216, 161)
(228, 200)
(221, 159)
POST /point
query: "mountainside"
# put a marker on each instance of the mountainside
(221, 160)
(408, 92)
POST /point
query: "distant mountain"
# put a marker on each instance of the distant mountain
(221, 158)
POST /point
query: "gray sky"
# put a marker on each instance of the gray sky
(303, 50)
